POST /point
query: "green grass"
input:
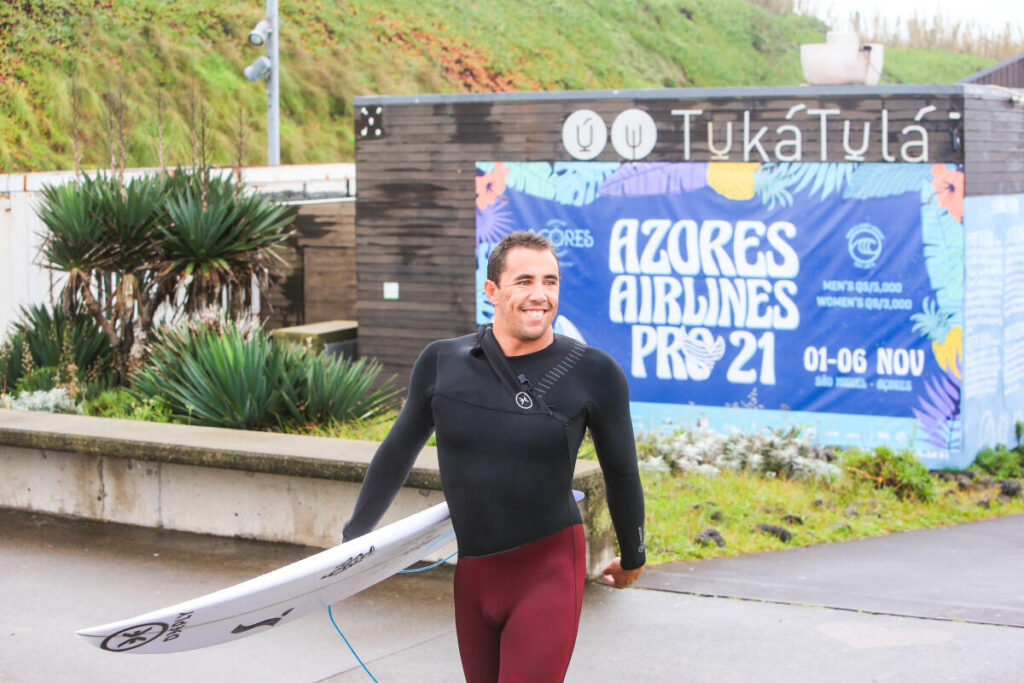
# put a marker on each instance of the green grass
(679, 508)
(150, 50)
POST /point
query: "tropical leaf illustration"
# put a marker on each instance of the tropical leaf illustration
(943, 239)
(494, 222)
(939, 413)
(771, 188)
(797, 176)
(932, 322)
(580, 183)
(484, 167)
(655, 178)
(886, 180)
(535, 178)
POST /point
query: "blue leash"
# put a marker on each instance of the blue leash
(400, 571)
(423, 569)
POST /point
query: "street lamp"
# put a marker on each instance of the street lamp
(266, 32)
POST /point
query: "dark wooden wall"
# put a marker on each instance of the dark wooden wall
(993, 143)
(318, 281)
(1008, 73)
(415, 213)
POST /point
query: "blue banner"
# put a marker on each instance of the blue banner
(802, 294)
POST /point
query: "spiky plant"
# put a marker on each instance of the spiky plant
(217, 242)
(233, 375)
(56, 348)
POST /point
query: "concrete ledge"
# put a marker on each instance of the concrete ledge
(273, 487)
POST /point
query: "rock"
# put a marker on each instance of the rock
(709, 536)
(963, 482)
(1003, 499)
(817, 503)
(717, 516)
(1010, 488)
(839, 526)
(946, 475)
(781, 533)
(851, 511)
(792, 519)
(986, 503)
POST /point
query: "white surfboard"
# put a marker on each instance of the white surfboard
(285, 594)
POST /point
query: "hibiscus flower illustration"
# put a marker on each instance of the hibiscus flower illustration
(949, 189)
(490, 186)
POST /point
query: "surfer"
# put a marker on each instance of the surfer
(510, 405)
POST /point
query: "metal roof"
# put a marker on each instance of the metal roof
(759, 92)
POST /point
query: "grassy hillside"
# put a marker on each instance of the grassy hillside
(131, 69)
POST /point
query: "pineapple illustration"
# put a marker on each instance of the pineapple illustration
(934, 323)
(733, 180)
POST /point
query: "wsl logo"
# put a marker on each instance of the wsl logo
(864, 242)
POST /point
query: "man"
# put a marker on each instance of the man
(510, 405)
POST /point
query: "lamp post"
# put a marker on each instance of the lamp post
(266, 32)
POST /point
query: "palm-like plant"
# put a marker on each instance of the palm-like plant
(217, 241)
(127, 249)
(104, 236)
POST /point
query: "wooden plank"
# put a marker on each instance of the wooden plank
(330, 291)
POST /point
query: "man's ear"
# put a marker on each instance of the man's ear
(491, 292)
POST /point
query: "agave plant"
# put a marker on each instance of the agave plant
(104, 237)
(50, 347)
(233, 375)
(217, 241)
(335, 389)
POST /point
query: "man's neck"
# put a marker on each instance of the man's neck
(513, 346)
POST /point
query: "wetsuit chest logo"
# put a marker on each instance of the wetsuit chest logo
(524, 401)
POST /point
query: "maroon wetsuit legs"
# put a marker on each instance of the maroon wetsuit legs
(517, 612)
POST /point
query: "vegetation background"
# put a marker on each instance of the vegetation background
(105, 83)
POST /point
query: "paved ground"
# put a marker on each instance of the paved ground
(959, 588)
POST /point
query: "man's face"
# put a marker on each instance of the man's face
(525, 299)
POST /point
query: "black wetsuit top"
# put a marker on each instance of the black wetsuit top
(507, 462)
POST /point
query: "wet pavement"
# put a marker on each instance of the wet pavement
(826, 613)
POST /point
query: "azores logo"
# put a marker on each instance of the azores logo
(864, 242)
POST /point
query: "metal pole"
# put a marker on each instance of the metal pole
(273, 89)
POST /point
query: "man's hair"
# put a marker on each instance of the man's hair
(520, 238)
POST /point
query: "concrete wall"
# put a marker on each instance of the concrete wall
(271, 487)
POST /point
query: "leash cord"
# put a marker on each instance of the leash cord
(400, 571)
(351, 649)
(423, 569)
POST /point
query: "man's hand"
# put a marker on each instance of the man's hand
(618, 577)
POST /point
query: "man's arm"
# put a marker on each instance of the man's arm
(612, 428)
(395, 457)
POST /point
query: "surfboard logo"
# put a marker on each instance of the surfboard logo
(133, 637)
(350, 562)
(524, 401)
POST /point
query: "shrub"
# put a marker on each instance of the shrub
(49, 349)
(121, 403)
(785, 454)
(233, 375)
(900, 471)
(52, 401)
(1001, 461)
